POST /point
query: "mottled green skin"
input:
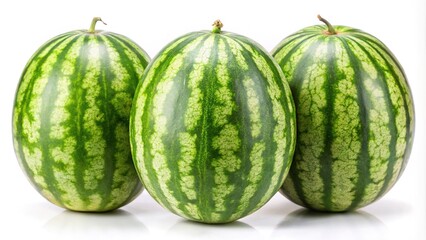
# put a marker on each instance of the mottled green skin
(213, 127)
(355, 118)
(70, 120)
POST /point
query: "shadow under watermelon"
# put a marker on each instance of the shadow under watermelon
(308, 224)
(185, 229)
(78, 225)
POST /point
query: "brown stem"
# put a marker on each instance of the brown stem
(331, 29)
(217, 26)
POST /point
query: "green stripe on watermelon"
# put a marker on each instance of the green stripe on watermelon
(212, 127)
(70, 119)
(355, 117)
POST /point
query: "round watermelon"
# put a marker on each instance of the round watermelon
(70, 119)
(212, 126)
(355, 117)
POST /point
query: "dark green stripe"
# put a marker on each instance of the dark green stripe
(284, 43)
(128, 64)
(200, 173)
(148, 122)
(49, 96)
(297, 79)
(302, 41)
(205, 153)
(290, 133)
(382, 82)
(76, 124)
(132, 46)
(111, 118)
(24, 104)
(143, 57)
(125, 169)
(21, 108)
(236, 75)
(244, 126)
(162, 66)
(326, 158)
(266, 129)
(363, 162)
(405, 90)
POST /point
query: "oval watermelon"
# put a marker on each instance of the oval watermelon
(212, 126)
(70, 119)
(355, 117)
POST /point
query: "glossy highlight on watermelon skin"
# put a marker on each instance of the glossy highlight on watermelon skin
(70, 120)
(212, 127)
(355, 117)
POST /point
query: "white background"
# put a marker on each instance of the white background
(25, 25)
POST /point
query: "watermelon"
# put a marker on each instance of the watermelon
(70, 119)
(355, 117)
(212, 126)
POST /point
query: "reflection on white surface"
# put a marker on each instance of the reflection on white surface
(185, 229)
(316, 225)
(77, 224)
(144, 219)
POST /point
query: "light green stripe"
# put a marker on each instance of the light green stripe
(256, 160)
(237, 51)
(398, 100)
(192, 117)
(194, 109)
(186, 162)
(66, 183)
(227, 143)
(121, 79)
(159, 160)
(59, 113)
(290, 189)
(141, 97)
(95, 202)
(140, 102)
(164, 87)
(253, 107)
(253, 178)
(379, 135)
(64, 176)
(163, 55)
(93, 118)
(132, 53)
(400, 76)
(287, 45)
(122, 99)
(400, 120)
(34, 162)
(346, 145)
(31, 119)
(124, 177)
(279, 115)
(33, 65)
(295, 56)
(311, 128)
(223, 95)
